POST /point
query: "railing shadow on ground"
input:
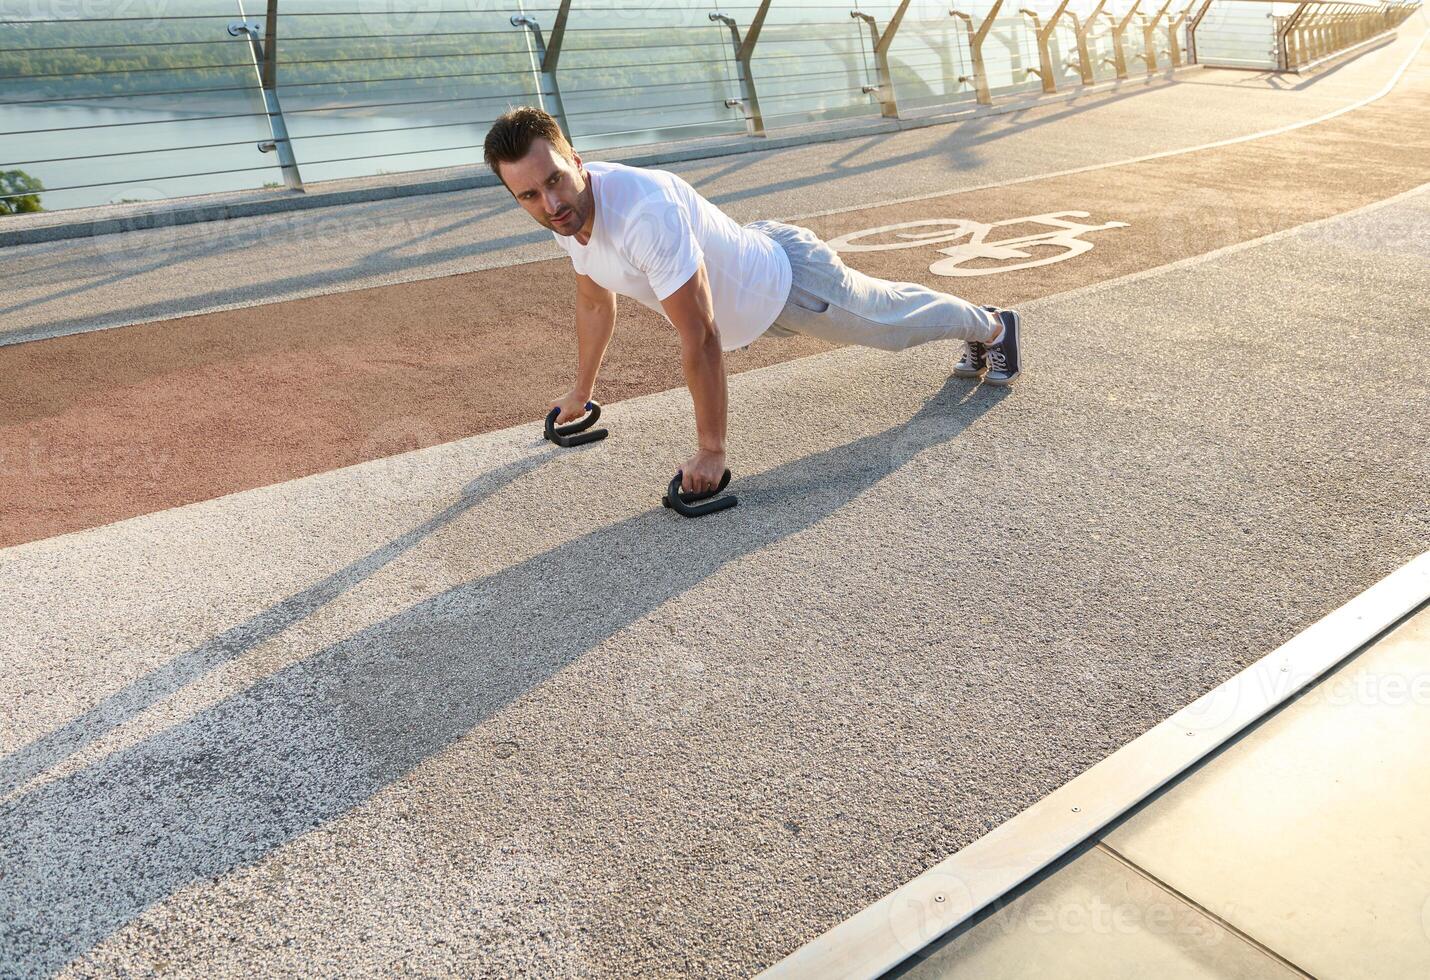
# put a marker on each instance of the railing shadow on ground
(85, 853)
(984, 130)
(207, 244)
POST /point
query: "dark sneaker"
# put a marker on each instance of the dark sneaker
(973, 362)
(1005, 359)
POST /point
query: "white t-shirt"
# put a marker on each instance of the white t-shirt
(651, 231)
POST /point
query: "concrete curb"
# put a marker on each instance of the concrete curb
(886, 933)
(110, 219)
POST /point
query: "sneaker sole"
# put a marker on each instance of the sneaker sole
(968, 374)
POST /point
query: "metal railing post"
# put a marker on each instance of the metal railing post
(881, 41)
(1329, 44)
(1297, 45)
(1312, 34)
(1119, 53)
(1079, 63)
(548, 55)
(1343, 27)
(1310, 38)
(1328, 29)
(1174, 40)
(1333, 27)
(1084, 63)
(1323, 30)
(1284, 44)
(1149, 40)
(1192, 30)
(1042, 33)
(1345, 35)
(744, 50)
(976, 38)
(1032, 15)
(1378, 20)
(1307, 34)
(264, 51)
(1318, 32)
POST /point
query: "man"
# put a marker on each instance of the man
(649, 235)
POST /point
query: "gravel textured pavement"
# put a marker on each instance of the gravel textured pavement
(101, 426)
(487, 708)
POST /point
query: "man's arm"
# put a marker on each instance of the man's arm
(692, 312)
(595, 322)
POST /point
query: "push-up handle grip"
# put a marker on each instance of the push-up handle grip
(574, 433)
(688, 504)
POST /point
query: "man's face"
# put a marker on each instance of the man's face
(553, 189)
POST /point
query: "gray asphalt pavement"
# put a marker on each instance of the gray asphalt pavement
(110, 280)
(487, 708)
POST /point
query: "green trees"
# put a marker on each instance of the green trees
(20, 183)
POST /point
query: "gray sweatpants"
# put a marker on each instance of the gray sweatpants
(833, 302)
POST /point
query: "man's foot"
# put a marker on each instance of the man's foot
(973, 362)
(1005, 358)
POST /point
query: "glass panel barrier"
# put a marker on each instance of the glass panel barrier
(380, 87)
(138, 100)
(1237, 35)
(147, 99)
(633, 74)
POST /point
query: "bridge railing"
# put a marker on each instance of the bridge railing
(1288, 36)
(162, 98)
(1314, 32)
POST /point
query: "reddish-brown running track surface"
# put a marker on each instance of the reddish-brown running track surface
(98, 427)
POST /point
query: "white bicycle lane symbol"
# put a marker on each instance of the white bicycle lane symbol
(936, 230)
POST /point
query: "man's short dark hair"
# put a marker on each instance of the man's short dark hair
(511, 136)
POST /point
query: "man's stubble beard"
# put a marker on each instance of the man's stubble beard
(582, 209)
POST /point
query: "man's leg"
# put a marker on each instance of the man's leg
(854, 308)
(831, 301)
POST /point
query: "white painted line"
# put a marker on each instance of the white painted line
(1263, 134)
(906, 920)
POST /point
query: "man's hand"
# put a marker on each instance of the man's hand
(572, 405)
(702, 472)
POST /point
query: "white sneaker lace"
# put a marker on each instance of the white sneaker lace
(972, 353)
(997, 359)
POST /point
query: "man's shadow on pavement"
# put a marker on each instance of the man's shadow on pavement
(84, 854)
(129, 702)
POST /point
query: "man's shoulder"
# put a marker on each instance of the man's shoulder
(644, 180)
(638, 201)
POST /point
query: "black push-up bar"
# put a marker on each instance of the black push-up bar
(685, 504)
(574, 433)
(682, 503)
